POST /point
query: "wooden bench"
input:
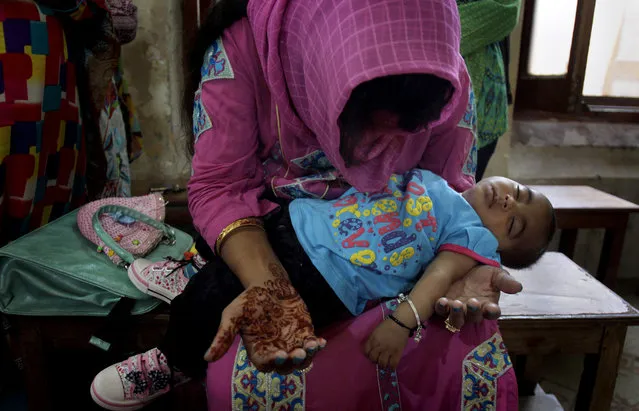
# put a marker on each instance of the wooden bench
(580, 207)
(563, 309)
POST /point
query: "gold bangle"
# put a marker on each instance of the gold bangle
(243, 222)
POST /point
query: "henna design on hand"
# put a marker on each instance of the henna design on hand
(269, 317)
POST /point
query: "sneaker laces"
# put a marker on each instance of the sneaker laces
(175, 264)
(189, 258)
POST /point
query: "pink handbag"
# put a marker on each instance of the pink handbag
(133, 235)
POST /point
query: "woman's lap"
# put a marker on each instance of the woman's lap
(444, 372)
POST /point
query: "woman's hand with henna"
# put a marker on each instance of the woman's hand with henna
(274, 323)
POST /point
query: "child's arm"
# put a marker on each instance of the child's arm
(446, 268)
(386, 344)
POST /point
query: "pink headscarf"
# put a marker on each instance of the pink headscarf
(315, 52)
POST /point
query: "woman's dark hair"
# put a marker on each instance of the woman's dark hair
(220, 17)
(416, 100)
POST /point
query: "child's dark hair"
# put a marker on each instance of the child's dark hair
(525, 257)
(416, 99)
(220, 17)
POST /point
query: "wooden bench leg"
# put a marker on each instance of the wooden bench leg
(599, 376)
(567, 242)
(528, 371)
(611, 254)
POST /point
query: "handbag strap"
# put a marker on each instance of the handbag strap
(169, 232)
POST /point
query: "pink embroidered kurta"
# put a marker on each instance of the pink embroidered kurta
(262, 126)
(265, 123)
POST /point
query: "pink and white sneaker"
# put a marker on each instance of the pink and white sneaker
(135, 382)
(164, 279)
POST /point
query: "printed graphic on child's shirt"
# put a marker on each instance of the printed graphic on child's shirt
(380, 231)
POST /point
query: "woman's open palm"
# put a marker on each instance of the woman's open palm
(275, 326)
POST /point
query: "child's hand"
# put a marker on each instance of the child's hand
(385, 345)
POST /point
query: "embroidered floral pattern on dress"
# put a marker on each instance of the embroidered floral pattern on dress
(201, 120)
(216, 63)
(315, 160)
(313, 186)
(387, 381)
(216, 66)
(480, 371)
(255, 390)
(470, 166)
(469, 120)
(389, 390)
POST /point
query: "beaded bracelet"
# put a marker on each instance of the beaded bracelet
(243, 222)
(411, 331)
(418, 331)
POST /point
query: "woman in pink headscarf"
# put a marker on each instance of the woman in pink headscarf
(306, 98)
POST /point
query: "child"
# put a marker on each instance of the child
(369, 247)
(339, 256)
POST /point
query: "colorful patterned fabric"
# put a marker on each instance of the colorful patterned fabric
(469, 121)
(216, 66)
(429, 377)
(110, 107)
(47, 142)
(373, 246)
(481, 370)
(114, 139)
(111, 127)
(492, 107)
(255, 390)
(42, 146)
(484, 23)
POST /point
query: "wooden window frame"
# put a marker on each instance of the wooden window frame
(562, 96)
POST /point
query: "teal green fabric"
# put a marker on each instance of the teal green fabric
(492, 106)
(55, 271)
(483, 24)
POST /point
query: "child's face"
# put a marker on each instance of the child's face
(514, 213)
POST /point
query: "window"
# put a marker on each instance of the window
(579, 58)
